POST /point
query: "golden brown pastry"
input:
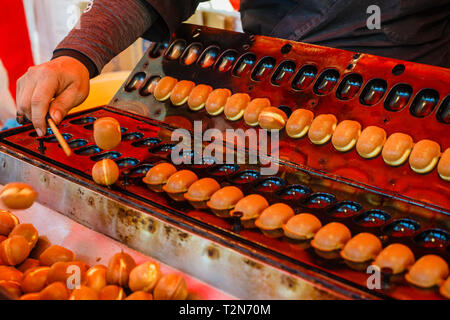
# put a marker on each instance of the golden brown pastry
(11, 289)
(370, 142)
(235, 106)
(119, 268)
(330, 237)
(272, 118)
(361, 248)
(111, 292)
(181, 91)
(444, 165)
(55, 291)
(178, 184)
(201, 191)
(299, 122)
(272, 219)
(105, 172)
(322, 128)
(396, 257)
(107, 133)
(28, 231)
(31, 296)
(171, 287)
(198, 96)
(144, 277)
(17, 195)
(164, 88)
(216, 101)
(223, 200)
(444, 290)
(42, 244)
(428, 271)
(251, 207)
(14, 250)
(302, 226)
(424, 156)
(159, 173)
(8, 273)
(96, 277)
(7, 222)
(55, 253)
(251, 113)
(58, 271)
(397, 149)
(345, 135)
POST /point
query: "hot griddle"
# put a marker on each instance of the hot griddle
(394, 203)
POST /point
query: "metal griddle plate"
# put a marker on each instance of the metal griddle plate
(297, 259)
(246, 264)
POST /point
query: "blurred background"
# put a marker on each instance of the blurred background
(31, 29)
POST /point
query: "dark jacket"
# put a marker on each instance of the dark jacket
(414, 30)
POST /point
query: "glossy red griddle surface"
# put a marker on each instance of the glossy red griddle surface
(293, 254)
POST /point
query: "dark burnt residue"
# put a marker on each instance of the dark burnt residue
(123, 238)
(253, 264)
(167, 230)
(80, 192)
(179, 235)
(212, 252)
(127, 217)
(151, 225)
(289, 282)
(183, 235)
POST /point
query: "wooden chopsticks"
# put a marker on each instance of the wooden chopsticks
(59, 137)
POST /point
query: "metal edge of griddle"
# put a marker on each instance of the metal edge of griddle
(338, 287)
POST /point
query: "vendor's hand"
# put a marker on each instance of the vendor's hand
(65, 79)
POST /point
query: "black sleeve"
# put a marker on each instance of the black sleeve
(88, 63)
(170, 15)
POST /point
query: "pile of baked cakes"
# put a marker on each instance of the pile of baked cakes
(31, 268)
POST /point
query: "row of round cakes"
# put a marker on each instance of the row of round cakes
(370, 142)
(234, 106)
(279, 220)
(396, 149)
